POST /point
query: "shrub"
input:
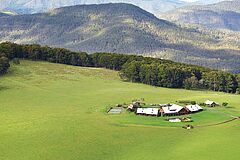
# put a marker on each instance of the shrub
(224, 104)
(193, 102)
(16, 61)
(187, 102)
(238, 91)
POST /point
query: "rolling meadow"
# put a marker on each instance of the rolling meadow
(58, 112)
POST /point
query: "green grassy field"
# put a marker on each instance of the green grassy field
(57, 112)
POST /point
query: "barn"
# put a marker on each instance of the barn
(173, 110)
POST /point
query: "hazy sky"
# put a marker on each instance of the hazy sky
(189, 0)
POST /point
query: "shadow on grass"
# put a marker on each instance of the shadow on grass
(3, 88)
(230, 107)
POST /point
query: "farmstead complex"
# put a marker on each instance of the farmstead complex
(180, 111)
(163, 109)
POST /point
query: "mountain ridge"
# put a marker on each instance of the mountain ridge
(120, 28)
(31, 6)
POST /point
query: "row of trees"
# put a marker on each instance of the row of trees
(177, 76)
(132, 68)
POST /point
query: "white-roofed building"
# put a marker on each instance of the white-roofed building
(175, 120)
(173, 110)
(194, 108)
(210, 103)
(116, 110)
(140, 111)
(148, 111)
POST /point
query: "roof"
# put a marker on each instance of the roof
(194, 108)
(172, 108)
(174, 120)
(148, 111)
(208, 102)
(115, 111)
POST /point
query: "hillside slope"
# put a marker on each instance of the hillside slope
(120, 28)
(223, 15)
(57, 112)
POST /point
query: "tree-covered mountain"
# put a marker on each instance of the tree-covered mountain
(36, 6)
(123, 28)
(223, 15)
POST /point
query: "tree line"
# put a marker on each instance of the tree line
(151, 71)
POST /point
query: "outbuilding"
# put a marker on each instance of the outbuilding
(174, 120)
(116, 110)
(211, 103)
(194, 108)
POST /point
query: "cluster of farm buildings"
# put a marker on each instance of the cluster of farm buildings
(168, 109)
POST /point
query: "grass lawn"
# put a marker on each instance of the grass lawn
(57, 112)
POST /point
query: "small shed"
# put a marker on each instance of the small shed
(174, 120)
(116, 110)
(211, 103)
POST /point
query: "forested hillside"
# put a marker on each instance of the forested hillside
(223, 15)
(152, 71)
(121, 28)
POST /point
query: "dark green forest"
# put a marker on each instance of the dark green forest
(133, 68)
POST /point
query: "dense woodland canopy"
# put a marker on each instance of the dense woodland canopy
(152, 71)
